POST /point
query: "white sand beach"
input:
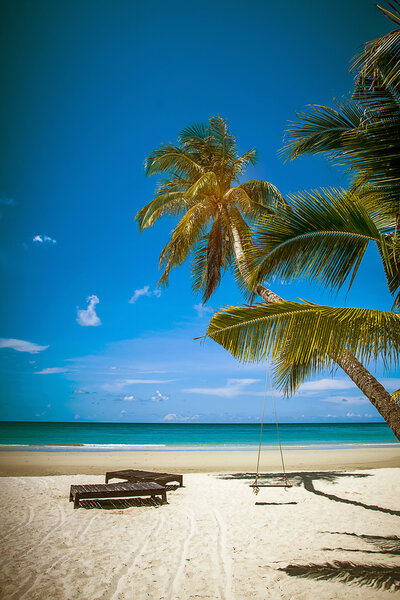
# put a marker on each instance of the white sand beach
(210, 541)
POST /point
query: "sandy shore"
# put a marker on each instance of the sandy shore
(211, 540)
(21, 463)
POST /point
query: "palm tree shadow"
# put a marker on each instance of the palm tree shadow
(376, 576)
(386, 544)
(308, 478)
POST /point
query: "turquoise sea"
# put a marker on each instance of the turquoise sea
(190, 436)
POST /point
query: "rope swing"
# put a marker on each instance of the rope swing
(256, 486)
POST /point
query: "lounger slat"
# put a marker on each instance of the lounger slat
(138, 475)
(115, 490)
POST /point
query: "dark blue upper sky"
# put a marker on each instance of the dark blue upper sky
(88, 90)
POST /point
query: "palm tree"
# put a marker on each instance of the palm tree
(321, 236)
(202, 184)
(324, 235)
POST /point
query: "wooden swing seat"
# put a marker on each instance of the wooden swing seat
(260, 485)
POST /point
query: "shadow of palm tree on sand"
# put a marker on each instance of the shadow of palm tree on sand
(307, 480)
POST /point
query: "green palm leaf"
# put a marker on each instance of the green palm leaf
(206, 185)
(169, 158)
(170, 203)
(320, 235)
(186, 234)
(324, 129)
(306, 335)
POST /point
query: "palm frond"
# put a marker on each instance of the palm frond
(323, 129)
(215, 260)
(172, 159)
(289, 375)
(377, 576)
(306, 334)
(381, 54)
(170, 203)
(223, 141)
(396, 396)
(184, 237)
(320, 235)
(264, 195)
(197, 131)
(206, 185)
(212, 256)
(243, 162)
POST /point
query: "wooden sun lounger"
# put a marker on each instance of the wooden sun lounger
(135, 475)
(116, 490)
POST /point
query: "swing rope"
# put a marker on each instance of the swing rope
(255, 485)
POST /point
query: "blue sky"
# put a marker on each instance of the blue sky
(90, 88)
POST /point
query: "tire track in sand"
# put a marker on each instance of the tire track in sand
(33, 580)
(174, 586)
(225, 586)
(29, 514)
(118, 581)
(59, 522)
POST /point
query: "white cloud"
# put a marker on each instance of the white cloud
(123, 412)
(390, 383)
(51, 371)
(88, 317)
(129, 398)
(324, 385)
(80, 392)
(117, 386)
(202, 310)
(233, 388)
(42, 239)
(175, 417)
(158, 397)
(144, 291)
(351, 414)
(346, 399)
(21, 345)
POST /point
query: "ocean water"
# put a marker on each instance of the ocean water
(170, 436)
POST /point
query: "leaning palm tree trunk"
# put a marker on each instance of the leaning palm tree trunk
(386, 406)
(379, 397)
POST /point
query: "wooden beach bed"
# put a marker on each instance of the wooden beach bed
(117, 490)
(137, 475)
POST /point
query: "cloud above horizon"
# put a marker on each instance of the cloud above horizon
(176, 417)
(233, 388)
(129, 398)
(326, 384)
(51, 371)
(346, 399)
(21, 345)
(144, 291)
(42, 239)
(88, 317)
(117, 386)
(158, 397)
(203, 310)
